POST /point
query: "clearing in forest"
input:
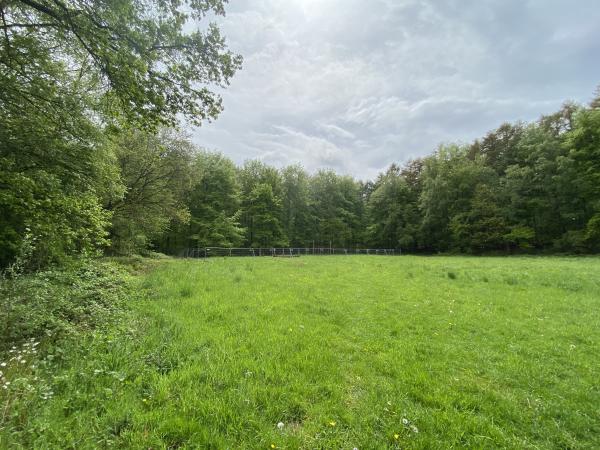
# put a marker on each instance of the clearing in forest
(348, 352)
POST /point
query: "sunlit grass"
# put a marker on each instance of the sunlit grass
(338, 352)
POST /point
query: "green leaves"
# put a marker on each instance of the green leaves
(392, 209)
(61, 221)
(214, 202)
(138, 54)
(71, 74)
(155, 170)
(54, 169)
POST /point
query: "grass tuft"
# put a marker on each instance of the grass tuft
(186, 292)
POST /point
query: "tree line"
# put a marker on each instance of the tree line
(91, 160)
(524, 187)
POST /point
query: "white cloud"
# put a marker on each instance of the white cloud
(354, 85)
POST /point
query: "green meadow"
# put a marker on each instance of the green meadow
(335, 352)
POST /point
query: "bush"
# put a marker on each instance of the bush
(58, 220)
(86, 294)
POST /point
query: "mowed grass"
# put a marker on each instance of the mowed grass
(347, 352)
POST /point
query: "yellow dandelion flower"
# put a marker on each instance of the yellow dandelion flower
(273, 446)
(332, 423)
(396, 436)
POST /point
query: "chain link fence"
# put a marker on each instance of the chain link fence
(207, 252)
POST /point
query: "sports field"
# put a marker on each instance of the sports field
(340, 352)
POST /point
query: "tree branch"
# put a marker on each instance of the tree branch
(6, 26)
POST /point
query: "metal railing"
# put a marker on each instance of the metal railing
(207, 252)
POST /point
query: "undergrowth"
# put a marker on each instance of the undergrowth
(54, 322)
(59, 302)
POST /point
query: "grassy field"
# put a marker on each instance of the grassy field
(342, 352)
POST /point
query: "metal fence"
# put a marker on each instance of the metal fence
(207, 252)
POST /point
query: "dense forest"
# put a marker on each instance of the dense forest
(522, 187)
(93, 158)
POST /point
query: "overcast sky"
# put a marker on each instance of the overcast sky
(354, 85)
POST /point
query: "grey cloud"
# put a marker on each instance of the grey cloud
(354, 85)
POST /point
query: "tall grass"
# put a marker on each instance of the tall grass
(332, 352)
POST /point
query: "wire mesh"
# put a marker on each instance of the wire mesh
(207, 252)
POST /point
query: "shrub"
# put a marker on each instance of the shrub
(84, 295)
